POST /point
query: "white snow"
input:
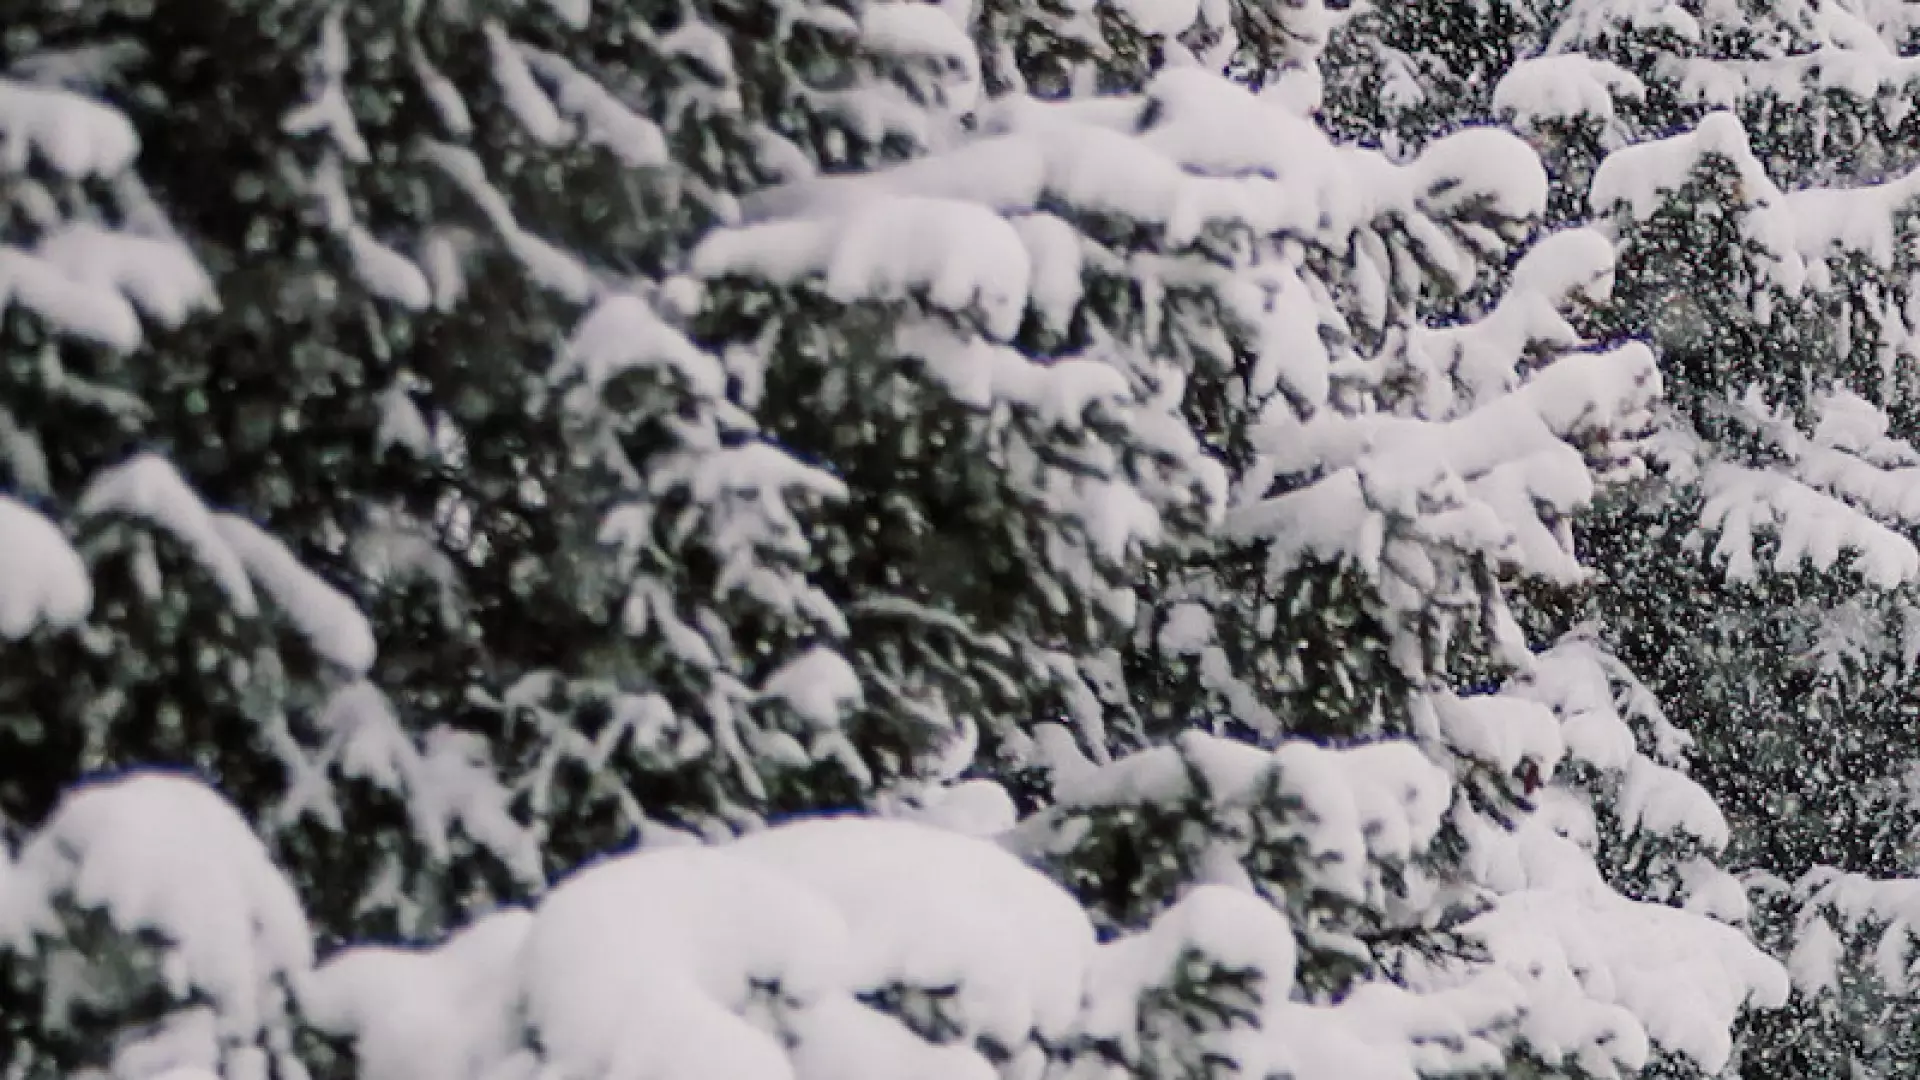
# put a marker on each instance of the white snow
(966, 257)
(147, 488)
(818, 685)
(387, 273)
(330, 621)
(735, 962)
(1566, 86)
(525, 99)
(934, 909)
(1605, 974)
(165, 854)
(978, 808)
(42, 580)
(75, 136)
(1809, 526)
(159, 276)
(544, 264)
(605, 121)
(622, 333)
(417, 1014)
(69, 306)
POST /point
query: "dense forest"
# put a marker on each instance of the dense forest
(959, 539)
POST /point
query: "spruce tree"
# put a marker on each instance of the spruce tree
(525, 460)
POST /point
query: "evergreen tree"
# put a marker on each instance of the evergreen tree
(1751, 166)
(517, 454)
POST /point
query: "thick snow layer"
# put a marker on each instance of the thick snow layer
(1196, 152)
(1351, 808)
(167, 855)
(983, 374)
(1641, 177)
(68, 306)
(933, 909)
(1228, 927)
(1566, 86)
(1597, 701)
(42, 580)
(980, 808)
(1662, 800)
(922, 31)
(635, 140)
(148, 489)
(439, 1014)
(1377, 1032)
(75, 136)
(841, 1039)
(966, 257)
(623, 333)
(1839, 910)
(1604, 974)
(736, 962)
(330, 621)
(1496, 478)
(644, 966)
(1384, 800)
(1809, 526)
(656, 964)
(818, 685)
(1500, 730)
(159, 276)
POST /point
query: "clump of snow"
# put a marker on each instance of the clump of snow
(385, 272)
(925, 32)
(966, 257)
(335, 626)
(77, 137)
(42, 580)
(934, 909)
(547, 266)
(69, 306)
(159, 276)
(327, 110)
(147, 488)
(605, 121)
(623, 333)
(979, 808)
(165, 854)
(1605, 974)
(1564, 87)
(744, 961)
(645, 965)
(1810, 526)
(1377, 1032)
(1500, 730)
(818, 685)
(529, 104)
(1839, 912)
(417, 1014)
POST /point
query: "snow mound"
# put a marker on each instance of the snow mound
(167, 855)
(753, 960)
(935, 909)
(42, 580)
(440, 1014)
